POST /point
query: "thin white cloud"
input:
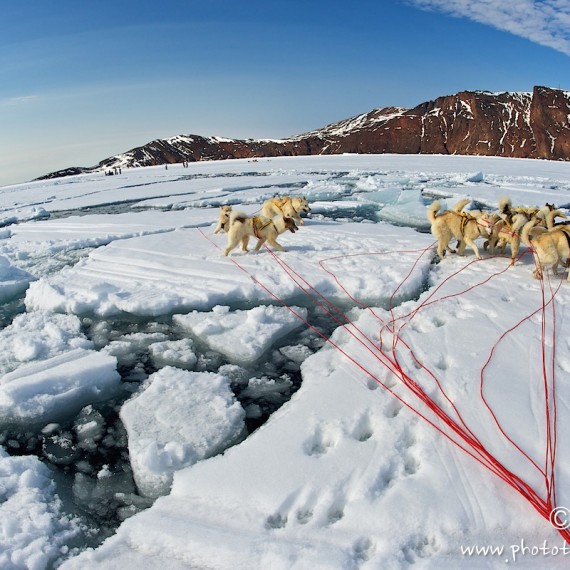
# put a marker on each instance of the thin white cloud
(545, 22)
(17, 101)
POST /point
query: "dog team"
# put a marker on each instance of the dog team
(277, 216)
(536, 228)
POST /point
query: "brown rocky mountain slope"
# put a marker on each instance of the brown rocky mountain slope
(523, 125)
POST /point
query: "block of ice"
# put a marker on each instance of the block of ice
(55, 389)
(34, 530)
(37, 336)
(242, 336)
(13, 280)
(409, 210)
(177, 419)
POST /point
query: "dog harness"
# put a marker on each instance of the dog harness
(464, 219)
(259, 224)
(280, 202)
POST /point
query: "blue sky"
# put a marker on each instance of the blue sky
(81, 81)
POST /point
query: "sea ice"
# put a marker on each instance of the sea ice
(177, 353)
(56, 389)
(242, 336)
(409, 210)
(13, 280)
(177, 419)
(39, 335)
(34, 531)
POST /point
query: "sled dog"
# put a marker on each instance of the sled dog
(454, 223)
(242, 227)
(287, 206)
(550, 247)
(224, 219)
(507, 228)
(551, 217)
(505, 231)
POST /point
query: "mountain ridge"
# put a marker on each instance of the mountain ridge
(482, 123)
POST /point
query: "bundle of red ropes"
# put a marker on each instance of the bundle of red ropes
(447, 420)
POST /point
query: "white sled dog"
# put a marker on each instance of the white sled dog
(464, 227)
(224, 219)
(550, 248)
(287, 206)
(242, 227)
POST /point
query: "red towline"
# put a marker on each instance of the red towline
(457, 431)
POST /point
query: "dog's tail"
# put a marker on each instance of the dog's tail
(237, 216)
(505, 205)
(461, 204)
(432, 210)
(550, 216)
(519, 220)
(529, 230)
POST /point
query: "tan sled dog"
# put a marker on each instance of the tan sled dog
(454, 223)
(286, 206)
(504, 232)
(550, 247)
(224, 219)
(507, 231)
(264, 229)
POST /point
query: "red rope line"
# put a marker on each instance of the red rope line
(484, 456)
(459, 433)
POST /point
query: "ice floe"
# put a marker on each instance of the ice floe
(178, 418)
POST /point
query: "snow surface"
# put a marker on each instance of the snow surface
(355, 471)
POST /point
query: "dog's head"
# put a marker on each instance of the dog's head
(225, 212)
(486, 221)
(290, 225)
(301, 204)
(224, 219)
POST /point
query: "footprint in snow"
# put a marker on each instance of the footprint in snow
(320, 442)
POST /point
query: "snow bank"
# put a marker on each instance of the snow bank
(242, 336)
(179, 418)
(55, 389)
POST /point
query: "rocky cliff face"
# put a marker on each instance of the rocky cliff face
(522, 125)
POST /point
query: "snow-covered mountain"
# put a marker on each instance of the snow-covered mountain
(481, 123)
